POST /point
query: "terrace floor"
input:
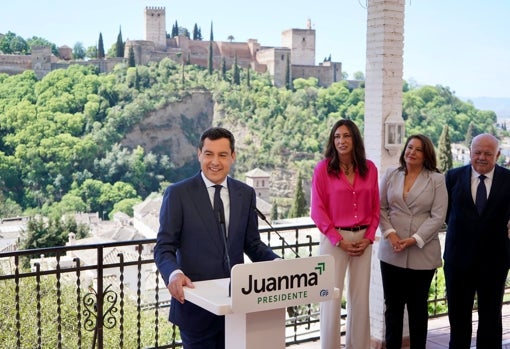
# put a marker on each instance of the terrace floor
(439, 333)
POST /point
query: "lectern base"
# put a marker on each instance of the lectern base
(262, 329)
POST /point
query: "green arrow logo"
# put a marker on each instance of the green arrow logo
(321, 267)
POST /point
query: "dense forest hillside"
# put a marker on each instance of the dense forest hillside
(82, 141)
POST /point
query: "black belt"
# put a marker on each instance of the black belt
(356, 228)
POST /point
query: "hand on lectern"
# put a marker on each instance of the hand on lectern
(176, 284)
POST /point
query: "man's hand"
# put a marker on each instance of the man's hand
(176, 284)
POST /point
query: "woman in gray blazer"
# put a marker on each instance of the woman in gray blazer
(414, 201)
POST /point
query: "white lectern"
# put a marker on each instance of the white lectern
(255, 313)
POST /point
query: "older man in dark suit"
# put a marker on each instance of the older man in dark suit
(191, 240)
(477, 250)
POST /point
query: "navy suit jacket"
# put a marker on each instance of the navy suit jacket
(189, 239)
(477, 240)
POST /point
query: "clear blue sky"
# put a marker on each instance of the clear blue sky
(463, 45)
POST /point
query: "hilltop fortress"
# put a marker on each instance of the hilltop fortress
(294, 59)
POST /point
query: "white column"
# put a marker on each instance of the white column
(383, 97)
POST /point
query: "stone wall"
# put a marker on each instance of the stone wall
(298, 45)
(15, 64)
(326, 74)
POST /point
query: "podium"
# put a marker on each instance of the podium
(260, 294)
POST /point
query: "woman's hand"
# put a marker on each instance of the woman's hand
(354, 249)
(401, 245)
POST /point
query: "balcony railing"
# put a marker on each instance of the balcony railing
(110, 295)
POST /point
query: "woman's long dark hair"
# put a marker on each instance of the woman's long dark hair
(429, 154)
(359, 158)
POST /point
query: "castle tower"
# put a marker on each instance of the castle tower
(41, 60)
(301, 42)
(155, 26)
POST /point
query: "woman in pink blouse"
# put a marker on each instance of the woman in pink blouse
(345, 208)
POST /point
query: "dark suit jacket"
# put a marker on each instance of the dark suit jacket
(473, 239)
(189, 239)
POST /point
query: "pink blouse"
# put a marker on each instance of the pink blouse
(337, 203)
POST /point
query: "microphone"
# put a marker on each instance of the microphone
(221, 218)
(263, 217)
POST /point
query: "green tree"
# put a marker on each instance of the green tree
(175, 29)
(131, 59)
(248, 82)
(11, 43)
(197, 33)
(223, 68)
(52, 232)
(125, 206)
(444, 152)
(236, 76)
(298, 208)
(288, 78)
(112, 51)
(37, 41)
(274, 211)
(210, 63)
(100, 47)
(9, 207)
(119, 46)
(91, 52)
(359, 75)
(79, 51)
(469, 135)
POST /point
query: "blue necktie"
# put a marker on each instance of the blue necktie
(481, 195)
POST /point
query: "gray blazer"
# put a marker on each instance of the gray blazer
(422, 213)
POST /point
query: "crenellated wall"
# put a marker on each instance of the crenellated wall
(295, 59)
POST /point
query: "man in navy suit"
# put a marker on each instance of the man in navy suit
(477, 250)
(191, 240)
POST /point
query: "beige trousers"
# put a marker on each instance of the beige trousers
(358, 286)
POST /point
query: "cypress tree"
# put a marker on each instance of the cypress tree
(119, 46)
(210, 58)
(131, 59)
(236, 79)
(175, 30)
(223, 68)
(274, 211)
(195, 32)
(100, 47)
(469, 134)
(444, 152)
(137, 80)
(287, 74)
(248, 77)
(298, 208)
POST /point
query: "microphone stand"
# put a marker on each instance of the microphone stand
(221, 217)
(263, 217)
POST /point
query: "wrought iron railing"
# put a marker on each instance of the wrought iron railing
(110, 295)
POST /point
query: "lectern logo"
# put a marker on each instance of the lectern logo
(321, 267)
(284, 282)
